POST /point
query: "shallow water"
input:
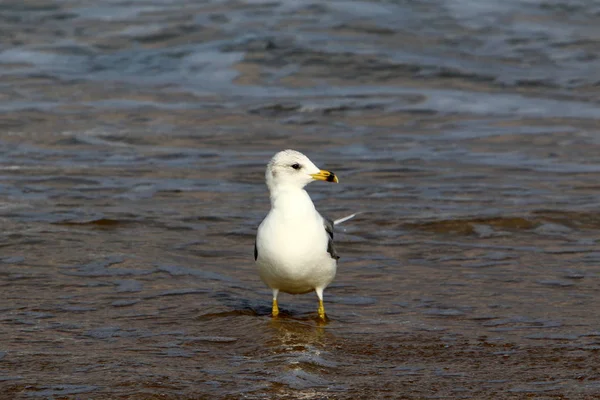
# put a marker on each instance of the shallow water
(134, 137)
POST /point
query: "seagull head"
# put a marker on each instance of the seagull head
(292, 168)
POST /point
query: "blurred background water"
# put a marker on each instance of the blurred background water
(133, 141)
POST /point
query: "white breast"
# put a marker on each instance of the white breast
(292, 249)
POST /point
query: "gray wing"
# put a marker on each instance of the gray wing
(328, 224)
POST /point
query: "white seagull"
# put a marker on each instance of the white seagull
(294, 248)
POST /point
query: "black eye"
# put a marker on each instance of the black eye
(296, 166)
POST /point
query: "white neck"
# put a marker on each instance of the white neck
(291, 201)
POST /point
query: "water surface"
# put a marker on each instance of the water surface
(134, 137)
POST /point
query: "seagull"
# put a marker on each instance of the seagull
(294, 248)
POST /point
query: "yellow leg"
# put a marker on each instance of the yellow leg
(275, 311)
(321, 310)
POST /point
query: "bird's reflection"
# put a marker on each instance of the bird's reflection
(294, 334)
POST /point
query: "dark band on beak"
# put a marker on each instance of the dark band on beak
(332, 178)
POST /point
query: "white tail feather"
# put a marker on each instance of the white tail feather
(346, 218)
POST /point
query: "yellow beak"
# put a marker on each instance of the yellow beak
(325, 176)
